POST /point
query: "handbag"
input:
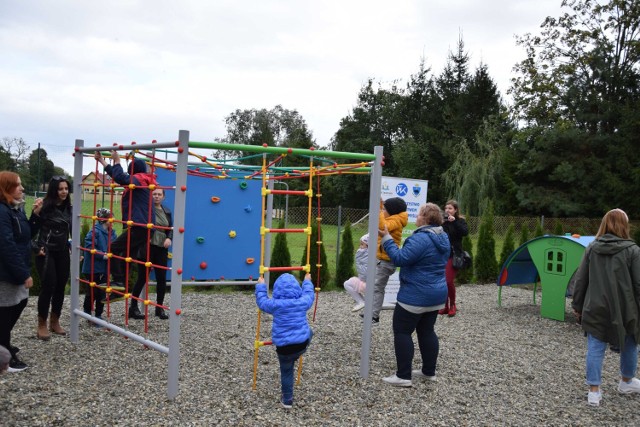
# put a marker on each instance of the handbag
(462, 260)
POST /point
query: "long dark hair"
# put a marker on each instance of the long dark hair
(51, 199)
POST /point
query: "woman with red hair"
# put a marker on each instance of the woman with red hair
(16, 233)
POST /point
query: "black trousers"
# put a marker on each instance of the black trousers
(98, 294)
(157, 256)
(137, 250)
(8, 318)
(53, 269)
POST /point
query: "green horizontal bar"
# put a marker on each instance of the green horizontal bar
(281, 150)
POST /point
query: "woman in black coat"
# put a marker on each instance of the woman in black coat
(456, 228)
(53, 260)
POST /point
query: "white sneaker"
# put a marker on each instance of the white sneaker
(417, 373)
(632, 386)
(359, 306)
(593, 398)
(398, 382)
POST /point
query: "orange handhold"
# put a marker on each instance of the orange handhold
(215, 199)
(250, 260)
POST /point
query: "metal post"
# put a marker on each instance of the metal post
(338, 239)
(374, 213)
(75, 239)
(177, 243)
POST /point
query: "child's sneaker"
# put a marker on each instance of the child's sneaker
(632, 386)
(16, 365)
(286, 404)
(593, 398)
(417, 373)
(359, 306)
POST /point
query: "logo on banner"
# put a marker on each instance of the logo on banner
(416, 190)
(401, 189)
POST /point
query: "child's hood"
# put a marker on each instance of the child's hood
(286, 287)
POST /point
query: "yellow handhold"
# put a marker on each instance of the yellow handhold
(128, 259)
(232, 234)
(129, 223)
(152, 187)
(132, 186)
(146, 302)
(93, 251)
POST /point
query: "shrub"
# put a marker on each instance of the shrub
(280, 255)
(538, 232)
(345, 268)
(557, 229)
(486, 268)
(509, 244)
(313, 260)
(524, 235)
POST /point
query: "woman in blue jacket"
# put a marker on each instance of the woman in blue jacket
(423, 291)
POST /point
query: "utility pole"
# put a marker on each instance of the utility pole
(38, 182)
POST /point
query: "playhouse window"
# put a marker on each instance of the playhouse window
(555, 261)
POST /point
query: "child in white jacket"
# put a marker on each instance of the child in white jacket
(355, 286)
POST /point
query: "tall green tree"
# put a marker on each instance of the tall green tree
(577, 94)
(485, 265)
(509, 244)
(345, 268)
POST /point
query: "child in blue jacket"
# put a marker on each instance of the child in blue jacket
(290, 331)
(97, 238)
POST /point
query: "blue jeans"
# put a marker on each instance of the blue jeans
(595, 356)
(286, 372)
(404, 323)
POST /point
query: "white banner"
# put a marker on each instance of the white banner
(414, 193)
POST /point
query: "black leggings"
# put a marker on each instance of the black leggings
(157, 256)
(8, 318)
(53, 281)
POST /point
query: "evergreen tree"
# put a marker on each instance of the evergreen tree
(557, 229)
(509, 244)
(466, 276)
(345, 268)
(313, 261)
(538, 232)
(485, 264)
(280, 255)
(524, 235)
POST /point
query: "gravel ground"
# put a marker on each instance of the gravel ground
(497, 366)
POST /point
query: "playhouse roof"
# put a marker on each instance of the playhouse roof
(519, 268)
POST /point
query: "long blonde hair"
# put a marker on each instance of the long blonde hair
(614, 222)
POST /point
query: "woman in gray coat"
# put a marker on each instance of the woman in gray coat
(606, 301)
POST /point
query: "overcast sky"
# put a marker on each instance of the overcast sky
(121, 71)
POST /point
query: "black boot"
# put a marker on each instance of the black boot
(134, 312)
(161, 313)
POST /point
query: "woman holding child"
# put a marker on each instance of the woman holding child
(423, 291)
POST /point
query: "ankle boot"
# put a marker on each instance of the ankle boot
(161, 313)
(134, 312)
(444, 310)
(54, 325)
(42, 333)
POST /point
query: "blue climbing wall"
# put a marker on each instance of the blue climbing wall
(208, 226)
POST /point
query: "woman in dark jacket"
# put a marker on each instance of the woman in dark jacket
(456, 228)
(53, 260)
(606, 300)
(15, 260)
(423, 291)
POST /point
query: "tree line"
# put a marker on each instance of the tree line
(33, 165)
(566, 145)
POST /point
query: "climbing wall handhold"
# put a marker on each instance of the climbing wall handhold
(232, 234)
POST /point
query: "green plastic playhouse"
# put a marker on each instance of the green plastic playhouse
(551, 260)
